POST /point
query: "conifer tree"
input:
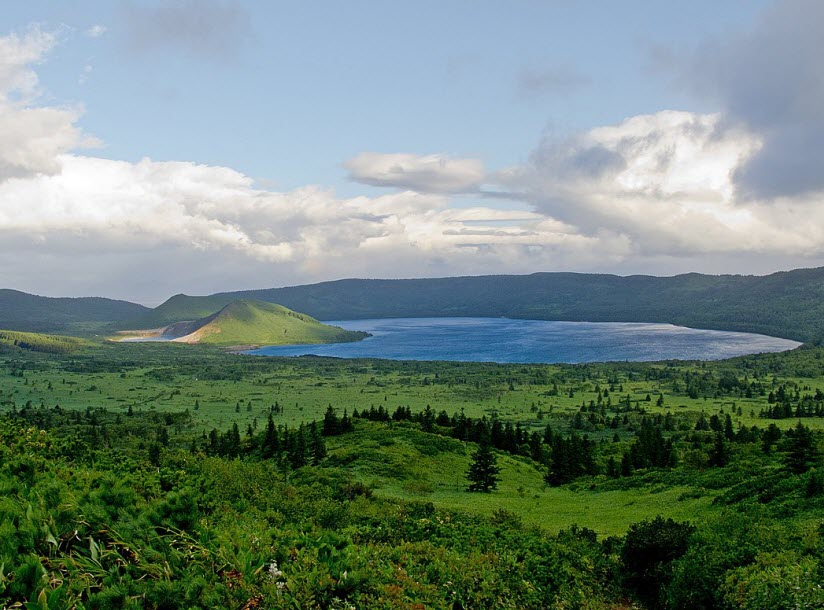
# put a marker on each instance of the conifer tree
(331, 423)
(802, 452)
(720, 454)
(483, 471)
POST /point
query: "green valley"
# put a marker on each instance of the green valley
(317, 465)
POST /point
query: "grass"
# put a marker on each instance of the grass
(231, 389)
(397, 461)
(37, 342)
(259, 323)
(251, 323)
(404, 463)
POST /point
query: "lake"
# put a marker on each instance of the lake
(506, 340)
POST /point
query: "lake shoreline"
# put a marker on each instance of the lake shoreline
(516, 340)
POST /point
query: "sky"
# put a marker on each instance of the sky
(150, 148)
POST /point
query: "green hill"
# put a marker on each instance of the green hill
(180, 307)
(28, 312)
(36, 342)
(257, 323)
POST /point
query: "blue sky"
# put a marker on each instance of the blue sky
(295, 88)
(290, 142)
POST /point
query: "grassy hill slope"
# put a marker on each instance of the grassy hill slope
(178, 308)
(28, 312)
(402, 462)
(258, 323)
(36, 342)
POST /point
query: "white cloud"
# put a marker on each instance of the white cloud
(423, 173)
(666, 182)
(655, 192)
(770, 78)
(18, 80)
(96, 31)
(31, 138)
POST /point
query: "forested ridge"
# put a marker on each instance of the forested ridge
(786, 304)
(27, 312)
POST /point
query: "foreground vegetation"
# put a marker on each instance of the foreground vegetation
(164, 476)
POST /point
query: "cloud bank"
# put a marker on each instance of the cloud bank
(421, 173)
(770, 80)
(663, 192)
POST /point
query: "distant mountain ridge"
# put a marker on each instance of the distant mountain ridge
(27, 312)
(247, 323)
(787, 304)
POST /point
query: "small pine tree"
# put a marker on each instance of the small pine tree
(802, 452)
(154, 454)
(720, 455)
(331, 423)
(483, 471)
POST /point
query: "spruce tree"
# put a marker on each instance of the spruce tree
(802, 452)
(720, 455)
(331, 423)
(483, 471)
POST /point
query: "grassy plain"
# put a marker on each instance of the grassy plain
(220, 389)
(125, 485)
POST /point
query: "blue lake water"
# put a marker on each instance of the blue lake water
(505, 340)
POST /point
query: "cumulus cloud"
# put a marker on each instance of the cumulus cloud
(657, 192)
(85, 225)
(422, 173)
(147, 218)
(18, 52)
(31, 138)
(666, 182)
(210, 29)
(770, 80)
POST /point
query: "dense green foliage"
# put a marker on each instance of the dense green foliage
(92, 528)
(166, 476)
(483, 471)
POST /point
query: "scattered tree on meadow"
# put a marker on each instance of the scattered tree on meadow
(483, 471)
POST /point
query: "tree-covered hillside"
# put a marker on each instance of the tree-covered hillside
(28, 312)
(787, 304)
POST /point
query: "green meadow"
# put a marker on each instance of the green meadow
(187, 472)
